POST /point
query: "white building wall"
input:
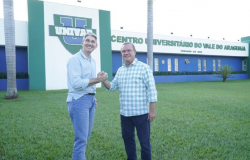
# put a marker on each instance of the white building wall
(21, 30)
(56, 55)
(161, 46)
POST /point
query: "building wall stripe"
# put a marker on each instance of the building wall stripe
(36, 49)
(105, 45)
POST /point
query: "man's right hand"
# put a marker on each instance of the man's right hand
(102, 76)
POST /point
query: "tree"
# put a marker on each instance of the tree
(10, 49)
(150, 34)
(225, 72)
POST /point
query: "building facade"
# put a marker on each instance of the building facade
(54, 32)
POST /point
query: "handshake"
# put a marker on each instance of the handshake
(102, 76)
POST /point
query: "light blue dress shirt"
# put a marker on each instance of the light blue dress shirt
(79, 70)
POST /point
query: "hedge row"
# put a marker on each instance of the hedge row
(25, 75)
(19, 75)
(164, 73)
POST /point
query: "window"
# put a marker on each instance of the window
(156, 64)
(169, 64)
(204, 65)
(214, 65)
(176, 64)
(219, 65)
(244, 65)
(199, 65)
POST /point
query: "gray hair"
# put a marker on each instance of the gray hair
(90, 34)
(128, 43)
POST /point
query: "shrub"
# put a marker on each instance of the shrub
(3, 75)
(19, 75)
(225, 71)
(22, 75)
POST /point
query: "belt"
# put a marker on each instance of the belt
(90, 94)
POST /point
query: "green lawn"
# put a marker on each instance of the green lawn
(195, 120)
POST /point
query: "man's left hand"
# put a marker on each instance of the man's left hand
(152, 114)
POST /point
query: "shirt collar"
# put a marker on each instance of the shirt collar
(133, 63)
(83, 55)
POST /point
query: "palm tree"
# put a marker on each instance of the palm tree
(150, 34)
(10, 50)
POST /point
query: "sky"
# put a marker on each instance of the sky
(216, 19)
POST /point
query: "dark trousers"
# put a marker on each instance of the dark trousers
(142, 125)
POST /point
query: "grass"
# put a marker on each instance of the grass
(195, 120)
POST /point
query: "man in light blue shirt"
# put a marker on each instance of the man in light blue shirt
(136, 86)
(82, 80)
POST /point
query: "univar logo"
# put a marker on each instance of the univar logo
(70, 31)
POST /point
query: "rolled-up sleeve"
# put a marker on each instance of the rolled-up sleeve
(113, 84)
(150, 83)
